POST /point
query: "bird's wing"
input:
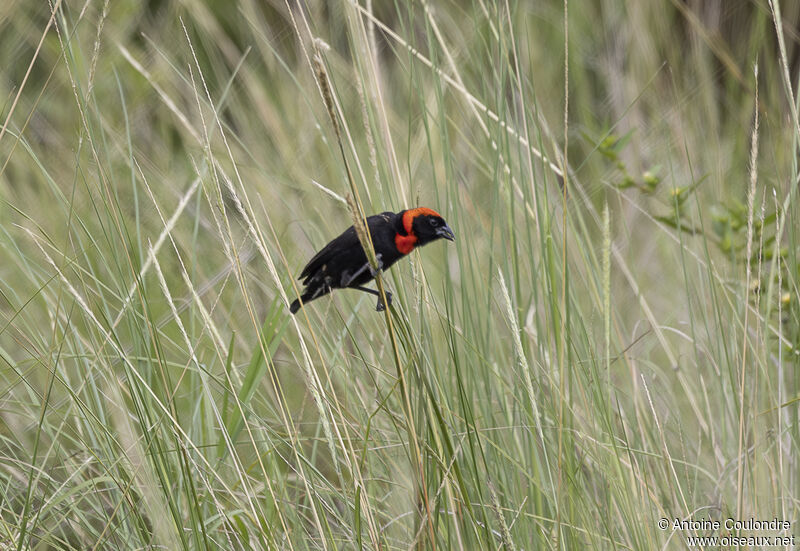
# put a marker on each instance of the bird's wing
(346, 242)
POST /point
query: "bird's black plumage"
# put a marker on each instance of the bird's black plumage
(342, 263)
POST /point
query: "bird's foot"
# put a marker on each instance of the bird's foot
(372, 270)
(380, 307)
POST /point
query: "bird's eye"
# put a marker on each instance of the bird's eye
(434, 222)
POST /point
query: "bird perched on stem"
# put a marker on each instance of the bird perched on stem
(342, 263)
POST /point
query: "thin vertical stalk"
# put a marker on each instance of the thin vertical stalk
(360, 224)
(750, 200)
(563, 332)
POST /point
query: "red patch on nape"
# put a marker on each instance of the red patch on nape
(405, 243)
(409, 215)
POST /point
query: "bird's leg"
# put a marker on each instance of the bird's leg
(378, 260)
(361, 270)
(380, 307)
(366, 266)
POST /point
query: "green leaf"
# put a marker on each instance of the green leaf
(271, 335)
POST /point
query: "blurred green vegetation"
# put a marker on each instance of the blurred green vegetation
(167, 168)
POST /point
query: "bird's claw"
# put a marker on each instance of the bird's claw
(379, 263)
(380, 307)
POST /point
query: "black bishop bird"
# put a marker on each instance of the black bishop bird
(342, 263)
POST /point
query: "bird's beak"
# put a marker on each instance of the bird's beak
(446, 232)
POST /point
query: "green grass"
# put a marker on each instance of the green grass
(590, 356)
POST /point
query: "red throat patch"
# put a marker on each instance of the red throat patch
(405, 243)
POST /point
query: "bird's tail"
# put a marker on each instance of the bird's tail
(295, 306)
(305, 298)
